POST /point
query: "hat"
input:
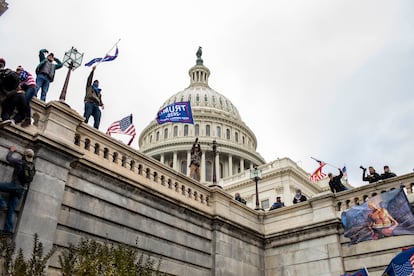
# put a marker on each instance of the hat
(19, 68)
(3, 61)
(28, 155)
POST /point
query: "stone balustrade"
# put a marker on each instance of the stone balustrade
(62, 124)
(359, 195)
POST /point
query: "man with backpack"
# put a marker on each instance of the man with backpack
(24, 171)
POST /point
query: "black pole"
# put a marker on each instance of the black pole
(65, 85)
(214, 162)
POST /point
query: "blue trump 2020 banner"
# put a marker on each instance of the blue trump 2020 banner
(178, 112)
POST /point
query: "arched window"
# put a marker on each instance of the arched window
(207, 130)
(218, 130)
(228, 134)
(197, 130)
(184, 167)
(243, 140)
(208, 171)
(166, 133)
(150, 139)
(186, 130)
(197, 98)
(236, 137)
(175, 131)
(157, 138)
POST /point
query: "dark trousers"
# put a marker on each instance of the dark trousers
(15, 192)
(92, 109)
(16, 101)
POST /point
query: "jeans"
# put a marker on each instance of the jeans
(92, 109)
(42, 81)
(15, 192)
(30, 93)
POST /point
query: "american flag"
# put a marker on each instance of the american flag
(123, 126)
(318, 174)
(345, 173)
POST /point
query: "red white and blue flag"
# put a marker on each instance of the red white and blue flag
(402, 264)
(345, 173)
(123, 126)
(361, 272)
(106, 58)
(318, 174)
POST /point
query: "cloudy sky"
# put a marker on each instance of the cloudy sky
(329, 79)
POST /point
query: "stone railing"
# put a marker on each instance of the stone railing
(57, 123)
(359, 195)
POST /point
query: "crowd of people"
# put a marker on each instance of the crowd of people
(335, 184)
(19, 86)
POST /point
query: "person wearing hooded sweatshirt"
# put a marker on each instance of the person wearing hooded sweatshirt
(45, 72)
(93, 100)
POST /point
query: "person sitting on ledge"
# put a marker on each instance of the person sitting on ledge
(239, 198)
(277, 204)
(299, 197)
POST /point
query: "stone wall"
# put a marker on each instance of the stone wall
(90, 185)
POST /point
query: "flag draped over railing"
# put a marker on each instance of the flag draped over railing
(385, 215)
(178, 112)
(318, 174)
(123, 126)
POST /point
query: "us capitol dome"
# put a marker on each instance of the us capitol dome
(215, 119)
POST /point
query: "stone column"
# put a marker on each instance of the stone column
(188, 162)
(218, 172)
(175, 160)
(230, 165)
(203, 168)
(241, 164)
(162, 158)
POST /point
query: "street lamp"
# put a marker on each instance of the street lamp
(72, 60)
(256, 174)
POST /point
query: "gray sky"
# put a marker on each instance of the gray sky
(329, 79)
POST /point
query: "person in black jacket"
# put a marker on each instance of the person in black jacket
(372, 177)
(15, 189)
(299, 197)
(335, 182)
(387, 173)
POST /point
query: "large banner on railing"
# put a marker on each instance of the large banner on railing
(385, 215)
(178, 112)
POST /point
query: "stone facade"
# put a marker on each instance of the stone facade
(90, 185)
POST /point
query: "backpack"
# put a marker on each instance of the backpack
(26, 172)
(9, 81)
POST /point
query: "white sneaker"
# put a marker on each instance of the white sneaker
(7, 123)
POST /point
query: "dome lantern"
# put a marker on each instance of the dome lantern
(199, 73)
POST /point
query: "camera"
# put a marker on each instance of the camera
(362, 168)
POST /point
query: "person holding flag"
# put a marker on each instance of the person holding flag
(93, 100)
(335, 182)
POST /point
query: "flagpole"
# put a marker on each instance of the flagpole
(336, 167)
(107, 53)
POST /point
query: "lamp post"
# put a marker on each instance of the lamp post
(72, 60)
(256, 174)
(214, 165)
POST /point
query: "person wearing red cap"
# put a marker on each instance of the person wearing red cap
(46, 72)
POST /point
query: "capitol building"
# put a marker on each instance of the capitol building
(217, 120)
